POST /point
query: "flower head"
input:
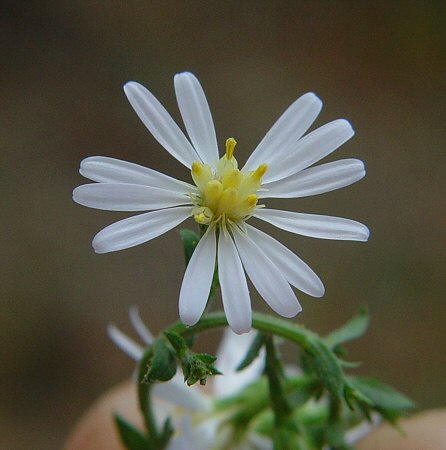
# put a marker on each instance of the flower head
(223, 197)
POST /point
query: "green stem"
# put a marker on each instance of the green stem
(273, 369)
(326, 365)
(271, 325)
(145, 404)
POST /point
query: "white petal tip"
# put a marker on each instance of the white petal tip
(311, 96)
(318, 292)
(184, 74)
(366, 235)
(132, 89)
(362, 233)
(241, 330)
(292, 310)
(130, 85)
(188, 319)
(346, 127)
(100, 248)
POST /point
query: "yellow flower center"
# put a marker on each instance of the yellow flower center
(226, 195)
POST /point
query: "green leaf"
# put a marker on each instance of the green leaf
(349, 364)
(131, 437)
(166, 433)
(190, 240)
(353, 329)
(253, 351)
(385, 399)
(163, 364)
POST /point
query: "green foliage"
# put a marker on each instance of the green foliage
(196, 366)
(130, 436)
(253, 351)
(381, 397)
(162, 365)
(353, 329)
(304, 411)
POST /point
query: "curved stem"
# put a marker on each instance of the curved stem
(271, 325)
(325, 363)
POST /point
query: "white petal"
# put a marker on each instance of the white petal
(110, 170)
(196, 116)
(177, 392)
(290, 265)
(138, 229)
(310, 149)
(266, 277)
(316, 180)
(314, 225)
(197, 280)
(127, 345)
(160, 123)
(231, 352)
(290, 126)
(234, 288)
(139, 326)
(127, 197)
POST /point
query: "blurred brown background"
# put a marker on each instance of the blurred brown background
(379, 64)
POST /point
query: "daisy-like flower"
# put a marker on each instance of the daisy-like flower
(198, 424)
(224, 197)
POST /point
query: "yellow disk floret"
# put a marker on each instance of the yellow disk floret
(225, 195)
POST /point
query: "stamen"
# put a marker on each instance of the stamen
(231, 178)
(230, 146)
(200, 218)
(213, 190)
(252, 199)
(260, 171)
(228, 200)
(203, 215)
(197, 168)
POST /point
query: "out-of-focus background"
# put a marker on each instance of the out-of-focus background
(379, 64)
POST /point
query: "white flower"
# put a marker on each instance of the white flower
(197, 425)
(223, 197)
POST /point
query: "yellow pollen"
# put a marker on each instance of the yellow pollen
(197, 168)
(213, 190)
(225, 194)
(252, 199)
(260, 171)
(228, 200)
(230, 146)
(231, 178)
(200, 218)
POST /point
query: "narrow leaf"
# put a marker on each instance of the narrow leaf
(253, 351)
(382, 395)
(131, 437)
(353, 329)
